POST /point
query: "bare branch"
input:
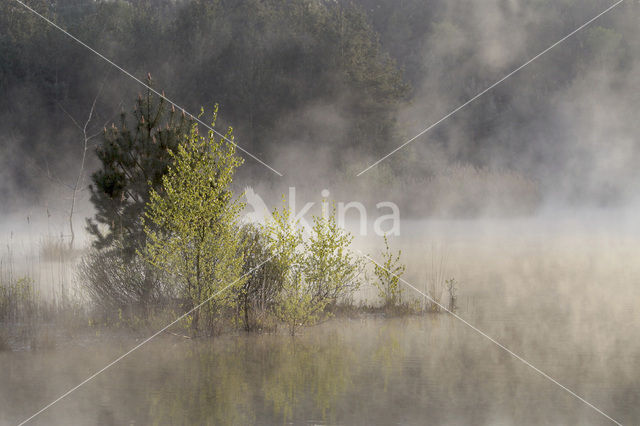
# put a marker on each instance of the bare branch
(70, 116)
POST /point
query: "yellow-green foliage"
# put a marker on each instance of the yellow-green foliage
(388, 275)
(285, 242)
(317, 271)
(197, 220)
(330, 268)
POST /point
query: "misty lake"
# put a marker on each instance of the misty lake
(566, 305)
(159, 158)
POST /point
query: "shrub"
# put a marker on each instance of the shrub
(316, 272)
(259, 293)
(192, 225)
(388, 275)
(330, 269)
(294, 305)
(116, 282)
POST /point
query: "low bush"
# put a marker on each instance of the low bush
(258, 295)
(117, 283)
(317, 271)
(388, 274)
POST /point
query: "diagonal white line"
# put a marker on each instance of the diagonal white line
(128, 74)
(581, 27)
(138, 346)
(500, 345)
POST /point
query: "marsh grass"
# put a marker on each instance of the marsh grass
(56, 249)
(438, 285)
(38, 301)
(17, 300)
(27, 320)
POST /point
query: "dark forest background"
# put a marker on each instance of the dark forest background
(320, 89)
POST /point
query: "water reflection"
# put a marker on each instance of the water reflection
(373, 371)
(256, 379)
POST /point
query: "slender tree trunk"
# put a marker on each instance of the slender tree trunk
(85, 146)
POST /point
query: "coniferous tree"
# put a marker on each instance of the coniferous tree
(134, 156)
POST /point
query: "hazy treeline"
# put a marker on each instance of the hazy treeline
(261, 61)
(347, 81)
(566, 119)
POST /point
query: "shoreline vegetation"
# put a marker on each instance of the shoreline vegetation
(168, 238)
(30, 322)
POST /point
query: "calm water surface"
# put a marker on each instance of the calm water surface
(569, 306)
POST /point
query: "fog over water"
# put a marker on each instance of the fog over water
(560, 291)
(528, 198)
